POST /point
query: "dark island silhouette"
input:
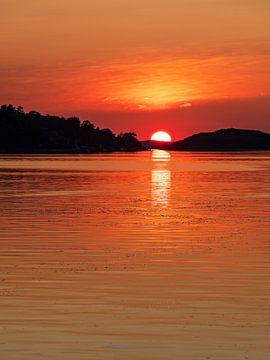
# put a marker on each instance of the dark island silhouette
(224, 140)
(34, 133)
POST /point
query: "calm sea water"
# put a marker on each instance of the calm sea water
(152, 255)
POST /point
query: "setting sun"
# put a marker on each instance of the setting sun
(161, 136)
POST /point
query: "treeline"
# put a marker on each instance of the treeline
(35, 133)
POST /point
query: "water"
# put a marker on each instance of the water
(135, 256)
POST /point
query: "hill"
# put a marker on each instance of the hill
(224, 140)
(32, 132)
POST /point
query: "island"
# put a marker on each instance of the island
(224, 140)
(33, 133)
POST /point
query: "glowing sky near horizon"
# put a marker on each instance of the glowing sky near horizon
(140, 58)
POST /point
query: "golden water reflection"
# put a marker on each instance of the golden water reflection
(161, 183)
(161, 177)
(160, 155)
(92, 268)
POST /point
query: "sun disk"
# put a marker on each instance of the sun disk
(161, 136)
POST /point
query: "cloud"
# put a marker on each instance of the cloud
(185, 105)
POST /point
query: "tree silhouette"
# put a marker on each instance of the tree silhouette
(33, 132)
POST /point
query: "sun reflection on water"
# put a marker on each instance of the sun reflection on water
(161, 177)
(160, 155)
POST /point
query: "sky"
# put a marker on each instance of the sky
(182, 66)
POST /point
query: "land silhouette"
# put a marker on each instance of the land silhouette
(32, 132)
(224, 140)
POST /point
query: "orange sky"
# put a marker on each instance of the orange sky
(181, 65)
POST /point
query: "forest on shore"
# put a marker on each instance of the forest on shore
(32, 132)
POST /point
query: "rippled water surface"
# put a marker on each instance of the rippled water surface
(152, 255)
